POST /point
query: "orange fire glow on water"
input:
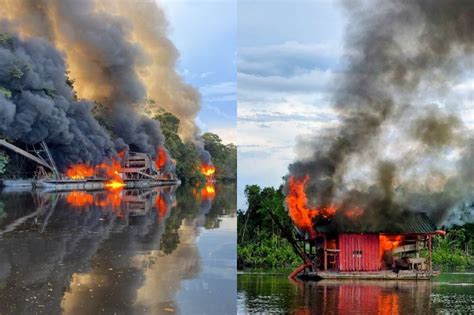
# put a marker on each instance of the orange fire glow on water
(161, 206)
(79, 198)
(209, 191)
(298, 209)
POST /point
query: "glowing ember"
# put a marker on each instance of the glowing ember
(389, 243)
(208, 170)
(298, 209)
(354, 213)
(79, 198)
(208, 192)
(80, 171)
(161, 158)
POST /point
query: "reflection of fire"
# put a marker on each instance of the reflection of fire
(208, 170)
(161, 158)
(388, 304)
(161, 206)
(80, 171)
(79, 198)
(107, 198)
(389, 243)
(208, 192)
(298, 209)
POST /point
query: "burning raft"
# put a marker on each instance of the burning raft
(131, 170)
(348, 245)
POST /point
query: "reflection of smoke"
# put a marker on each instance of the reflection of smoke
(118, 54)
(394, 149)
(40, 105)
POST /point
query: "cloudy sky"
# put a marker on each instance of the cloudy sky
(288, 54)
(204, 33)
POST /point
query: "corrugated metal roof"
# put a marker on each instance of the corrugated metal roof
(409, 222)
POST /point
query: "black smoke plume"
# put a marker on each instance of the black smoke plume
(401, 144)
(36, 104)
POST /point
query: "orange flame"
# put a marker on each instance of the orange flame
(298, 209)
(207, 170)
(112, 171)
(389, 243)
(161, 157)
(79, 198)
(80, 171)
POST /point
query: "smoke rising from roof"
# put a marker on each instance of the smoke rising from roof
(395, 149)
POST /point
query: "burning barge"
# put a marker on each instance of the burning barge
(354, 244)
(131, 170)
(402, 252)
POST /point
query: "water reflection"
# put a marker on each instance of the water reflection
(276, 294)
(120, 251)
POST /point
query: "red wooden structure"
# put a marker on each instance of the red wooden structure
(359, 252)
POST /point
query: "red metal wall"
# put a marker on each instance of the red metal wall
(359, 252)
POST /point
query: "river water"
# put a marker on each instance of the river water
(159, 251)
(265, 292)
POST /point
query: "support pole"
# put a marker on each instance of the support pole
(325, 254)
(429, 250)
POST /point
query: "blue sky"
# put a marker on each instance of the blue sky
(288, 53)
(204, 32)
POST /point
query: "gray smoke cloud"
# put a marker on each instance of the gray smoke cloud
(401, 145)
(36, 104)
(119, 54)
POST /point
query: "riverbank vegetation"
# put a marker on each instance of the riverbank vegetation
(455, 251)
(261, 244)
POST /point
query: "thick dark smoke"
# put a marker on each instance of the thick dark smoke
(36, 104)
(400, 145)
(119, 54)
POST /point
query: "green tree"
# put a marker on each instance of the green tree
(3, 162)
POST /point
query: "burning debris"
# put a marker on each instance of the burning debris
(400, 147)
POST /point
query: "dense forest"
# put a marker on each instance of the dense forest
(261, 243)
(224, 156)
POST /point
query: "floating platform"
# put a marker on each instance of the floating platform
(370, 275)
(87, 184)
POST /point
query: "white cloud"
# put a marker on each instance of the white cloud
(218, 92)
(228, 135)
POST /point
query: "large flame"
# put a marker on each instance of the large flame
(161, 158)
(298, 209)
(207, 170)
(389, 243)
(80, 171)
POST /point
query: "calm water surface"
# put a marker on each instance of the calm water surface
(160, 251)
(263, 293)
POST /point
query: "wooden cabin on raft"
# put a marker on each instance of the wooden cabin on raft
(399, 250)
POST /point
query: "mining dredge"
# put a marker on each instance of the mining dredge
(136, 170)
